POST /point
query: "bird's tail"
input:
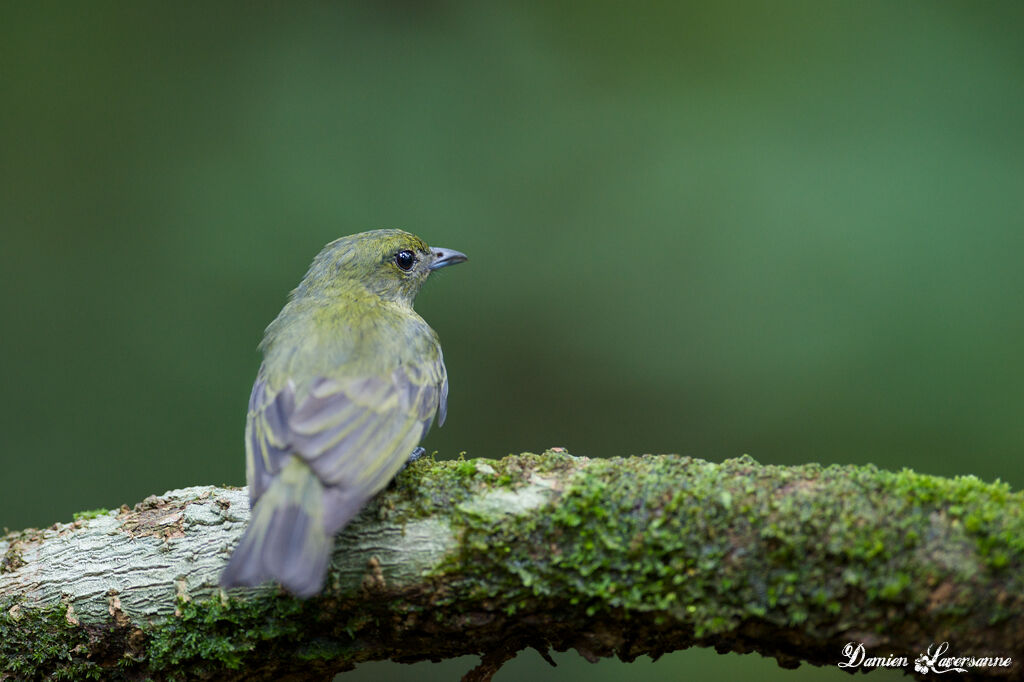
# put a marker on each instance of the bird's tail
(286, 539)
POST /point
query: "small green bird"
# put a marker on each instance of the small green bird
(350, 383)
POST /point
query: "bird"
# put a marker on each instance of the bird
(352, 379)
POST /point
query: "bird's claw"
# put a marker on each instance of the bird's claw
(416, 454)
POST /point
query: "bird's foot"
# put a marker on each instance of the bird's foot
(416, 454)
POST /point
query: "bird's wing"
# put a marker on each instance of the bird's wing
(442, 404)
(354, 433)
(267, 447)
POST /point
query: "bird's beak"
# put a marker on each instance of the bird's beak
(443, 257)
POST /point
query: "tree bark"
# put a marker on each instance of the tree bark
(618, 557)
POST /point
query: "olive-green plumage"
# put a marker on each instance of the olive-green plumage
(350, 383)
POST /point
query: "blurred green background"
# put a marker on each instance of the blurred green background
(793, 230)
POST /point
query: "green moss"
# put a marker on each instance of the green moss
(12, 559)
(90, 514)
(710, 545)
(203, 641)
(428, 487)
(211, 635)
(40, 643)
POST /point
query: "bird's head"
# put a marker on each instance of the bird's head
(389, 263)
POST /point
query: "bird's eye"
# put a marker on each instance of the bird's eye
(405, 259)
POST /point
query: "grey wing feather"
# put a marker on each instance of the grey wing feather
(266, 435)
(442, 405)
(355, 434)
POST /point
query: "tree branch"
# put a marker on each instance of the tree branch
(623, 557)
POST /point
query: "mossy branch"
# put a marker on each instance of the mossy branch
(623, 557)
